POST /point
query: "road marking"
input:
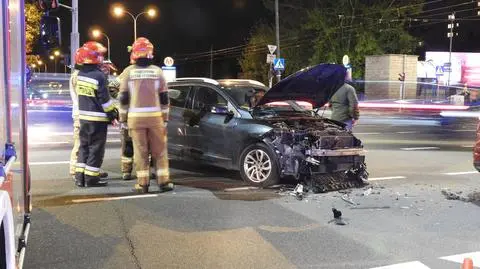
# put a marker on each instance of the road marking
(420, 148)
(475, 256)
(409, 265)
(49, 163)
(461, 173)
(367, 133)
(467, 146)
(464, 130)
(408, 132)
(100, 199)
(385, 178)
(48, 143)
(241, 189)
(113, 140)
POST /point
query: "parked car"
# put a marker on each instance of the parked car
(222, 123)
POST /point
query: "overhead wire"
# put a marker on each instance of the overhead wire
(238, 51)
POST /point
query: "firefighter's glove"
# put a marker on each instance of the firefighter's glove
(113, 115)
(123, 126)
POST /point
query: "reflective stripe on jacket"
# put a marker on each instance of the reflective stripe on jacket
(94, 102)
(143, 96)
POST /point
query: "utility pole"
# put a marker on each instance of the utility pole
(211, 61)
(277, 30)
(450, 35)
(74, 36)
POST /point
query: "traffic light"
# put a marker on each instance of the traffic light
(48, 5)
(401, 76)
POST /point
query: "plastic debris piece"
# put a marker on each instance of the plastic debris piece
(368, 192)
(349, 200)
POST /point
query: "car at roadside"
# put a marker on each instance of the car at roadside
(226, 124)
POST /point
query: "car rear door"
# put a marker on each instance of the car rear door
(178, 96)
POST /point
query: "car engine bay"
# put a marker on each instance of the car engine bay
(318, 152)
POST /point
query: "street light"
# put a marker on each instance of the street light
(40, 63)
(56, 53)
(119, 10)
(55, 59)
(97, 33)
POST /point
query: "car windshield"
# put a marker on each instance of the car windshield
(247, 97)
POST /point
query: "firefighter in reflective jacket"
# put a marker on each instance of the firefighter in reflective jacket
(96, 110)
(144, 109)
(76, 120)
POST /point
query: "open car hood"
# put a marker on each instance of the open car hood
(315, 85)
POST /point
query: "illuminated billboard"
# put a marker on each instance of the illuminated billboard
(465, 67)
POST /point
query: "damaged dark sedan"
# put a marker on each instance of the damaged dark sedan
(267, 134)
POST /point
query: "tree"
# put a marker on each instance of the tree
(294, 48)
(359, 28)
(32, 20)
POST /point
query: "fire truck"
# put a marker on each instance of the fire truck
(15, 197)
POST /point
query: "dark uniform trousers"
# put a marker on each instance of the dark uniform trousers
(93, 137)
(127, 152)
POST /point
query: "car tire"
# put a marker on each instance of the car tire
(258, 166)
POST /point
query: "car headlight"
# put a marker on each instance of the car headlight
(45, 95)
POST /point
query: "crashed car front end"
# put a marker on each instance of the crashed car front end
(318, 152)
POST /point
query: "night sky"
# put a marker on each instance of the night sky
(184, 26)
(193, 26)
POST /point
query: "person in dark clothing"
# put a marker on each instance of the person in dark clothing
(96, 110)
(344, 105)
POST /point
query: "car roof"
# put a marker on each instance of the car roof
(242, 82)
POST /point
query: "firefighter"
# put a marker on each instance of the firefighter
(144, 111)
(127, 144)
(96, 111)
(76, 121)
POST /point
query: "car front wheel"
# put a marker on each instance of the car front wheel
(258, 166)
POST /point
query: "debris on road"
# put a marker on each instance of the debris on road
(454, 196)
(349, 200)
(298, 191)
(337, 217)
(368, 192)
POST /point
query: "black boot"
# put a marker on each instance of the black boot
(140, 189)
(165, 187)
(94, 182)
(79, 179)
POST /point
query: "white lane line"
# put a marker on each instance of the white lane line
(475, 256)
(66, 142)
(49, 163)
(100, 199)
(461, 173)
(467, 146)
(241, 189)
(48, 143)
(420, 148)
(464, 130)
(367, 133)
(385, 178)
(407, 265)
(408, 132)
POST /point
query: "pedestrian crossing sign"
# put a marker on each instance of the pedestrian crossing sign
(279, 64)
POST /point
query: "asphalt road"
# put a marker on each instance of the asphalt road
(212, 221)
